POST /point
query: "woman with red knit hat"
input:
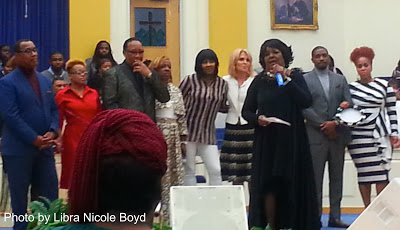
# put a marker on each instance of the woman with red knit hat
(120, 161)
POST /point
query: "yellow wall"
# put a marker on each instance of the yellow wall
(89, 22)
(228, 29)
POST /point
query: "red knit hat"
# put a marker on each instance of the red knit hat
(113, 132)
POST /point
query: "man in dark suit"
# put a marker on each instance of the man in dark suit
(132, 85)
(30, 126)
(327, 138)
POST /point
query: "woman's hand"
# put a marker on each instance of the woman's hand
(59, 145)
(261, 121)
(278, 69)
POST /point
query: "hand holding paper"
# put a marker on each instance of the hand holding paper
(274, 120)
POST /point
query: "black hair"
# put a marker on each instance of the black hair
(332, 60)
(101, 62)
(393, 82)
(2, 46)
(127, 186)
(127, 41)
(17, 46)
(204, 55)
(97, 56)
(398, 65)
(286, 51)
(54, 53)
(318, 48)
(58, 78)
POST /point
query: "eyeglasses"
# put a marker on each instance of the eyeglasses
(135, 52)
(79, 73)
(28, 51)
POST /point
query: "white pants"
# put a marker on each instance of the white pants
(210, 156)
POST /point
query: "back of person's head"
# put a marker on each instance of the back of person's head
(120, 161)
(127, 185)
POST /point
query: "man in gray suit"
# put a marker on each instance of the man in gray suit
(327, 138)
(131, 85)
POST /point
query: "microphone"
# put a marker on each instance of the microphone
(279, 79)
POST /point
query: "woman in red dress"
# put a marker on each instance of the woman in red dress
(78, 105)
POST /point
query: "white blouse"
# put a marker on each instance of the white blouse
(236, 96)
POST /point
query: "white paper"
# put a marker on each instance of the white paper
(276, 120)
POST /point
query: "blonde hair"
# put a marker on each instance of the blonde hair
(73, 62)
(234, 59)
(157, 63)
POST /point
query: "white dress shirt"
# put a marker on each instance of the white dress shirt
(236, 96)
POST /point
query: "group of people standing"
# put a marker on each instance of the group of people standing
(284, 164)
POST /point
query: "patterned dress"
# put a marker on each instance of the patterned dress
(370, 148)
(171, 120)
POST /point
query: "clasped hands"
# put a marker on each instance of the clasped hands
(47, 140)
(329, 127)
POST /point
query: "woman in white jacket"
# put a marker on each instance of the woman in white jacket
(236, 152)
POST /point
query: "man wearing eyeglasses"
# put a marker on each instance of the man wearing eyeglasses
(132, 85)
(30, 118)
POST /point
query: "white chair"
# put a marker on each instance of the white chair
(208, 207)
(384, 212)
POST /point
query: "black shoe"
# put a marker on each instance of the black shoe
(337, 223)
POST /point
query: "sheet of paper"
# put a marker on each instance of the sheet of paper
(276, 120)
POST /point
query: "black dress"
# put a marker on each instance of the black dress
(282, 162)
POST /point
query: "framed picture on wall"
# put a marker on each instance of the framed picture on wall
(294, 14)
(150, 26)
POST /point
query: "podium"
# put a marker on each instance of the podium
(208, 207)
(384, 211)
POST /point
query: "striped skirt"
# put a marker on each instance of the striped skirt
(236, 153)
(371, 156)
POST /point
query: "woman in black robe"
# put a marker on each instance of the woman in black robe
(283, 192)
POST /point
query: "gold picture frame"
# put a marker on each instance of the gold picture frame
(294, 14)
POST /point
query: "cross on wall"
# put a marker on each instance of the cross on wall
(150, 23)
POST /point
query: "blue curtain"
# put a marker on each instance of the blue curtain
(45, 22)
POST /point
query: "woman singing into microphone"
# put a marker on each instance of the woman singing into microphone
(283, 192)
